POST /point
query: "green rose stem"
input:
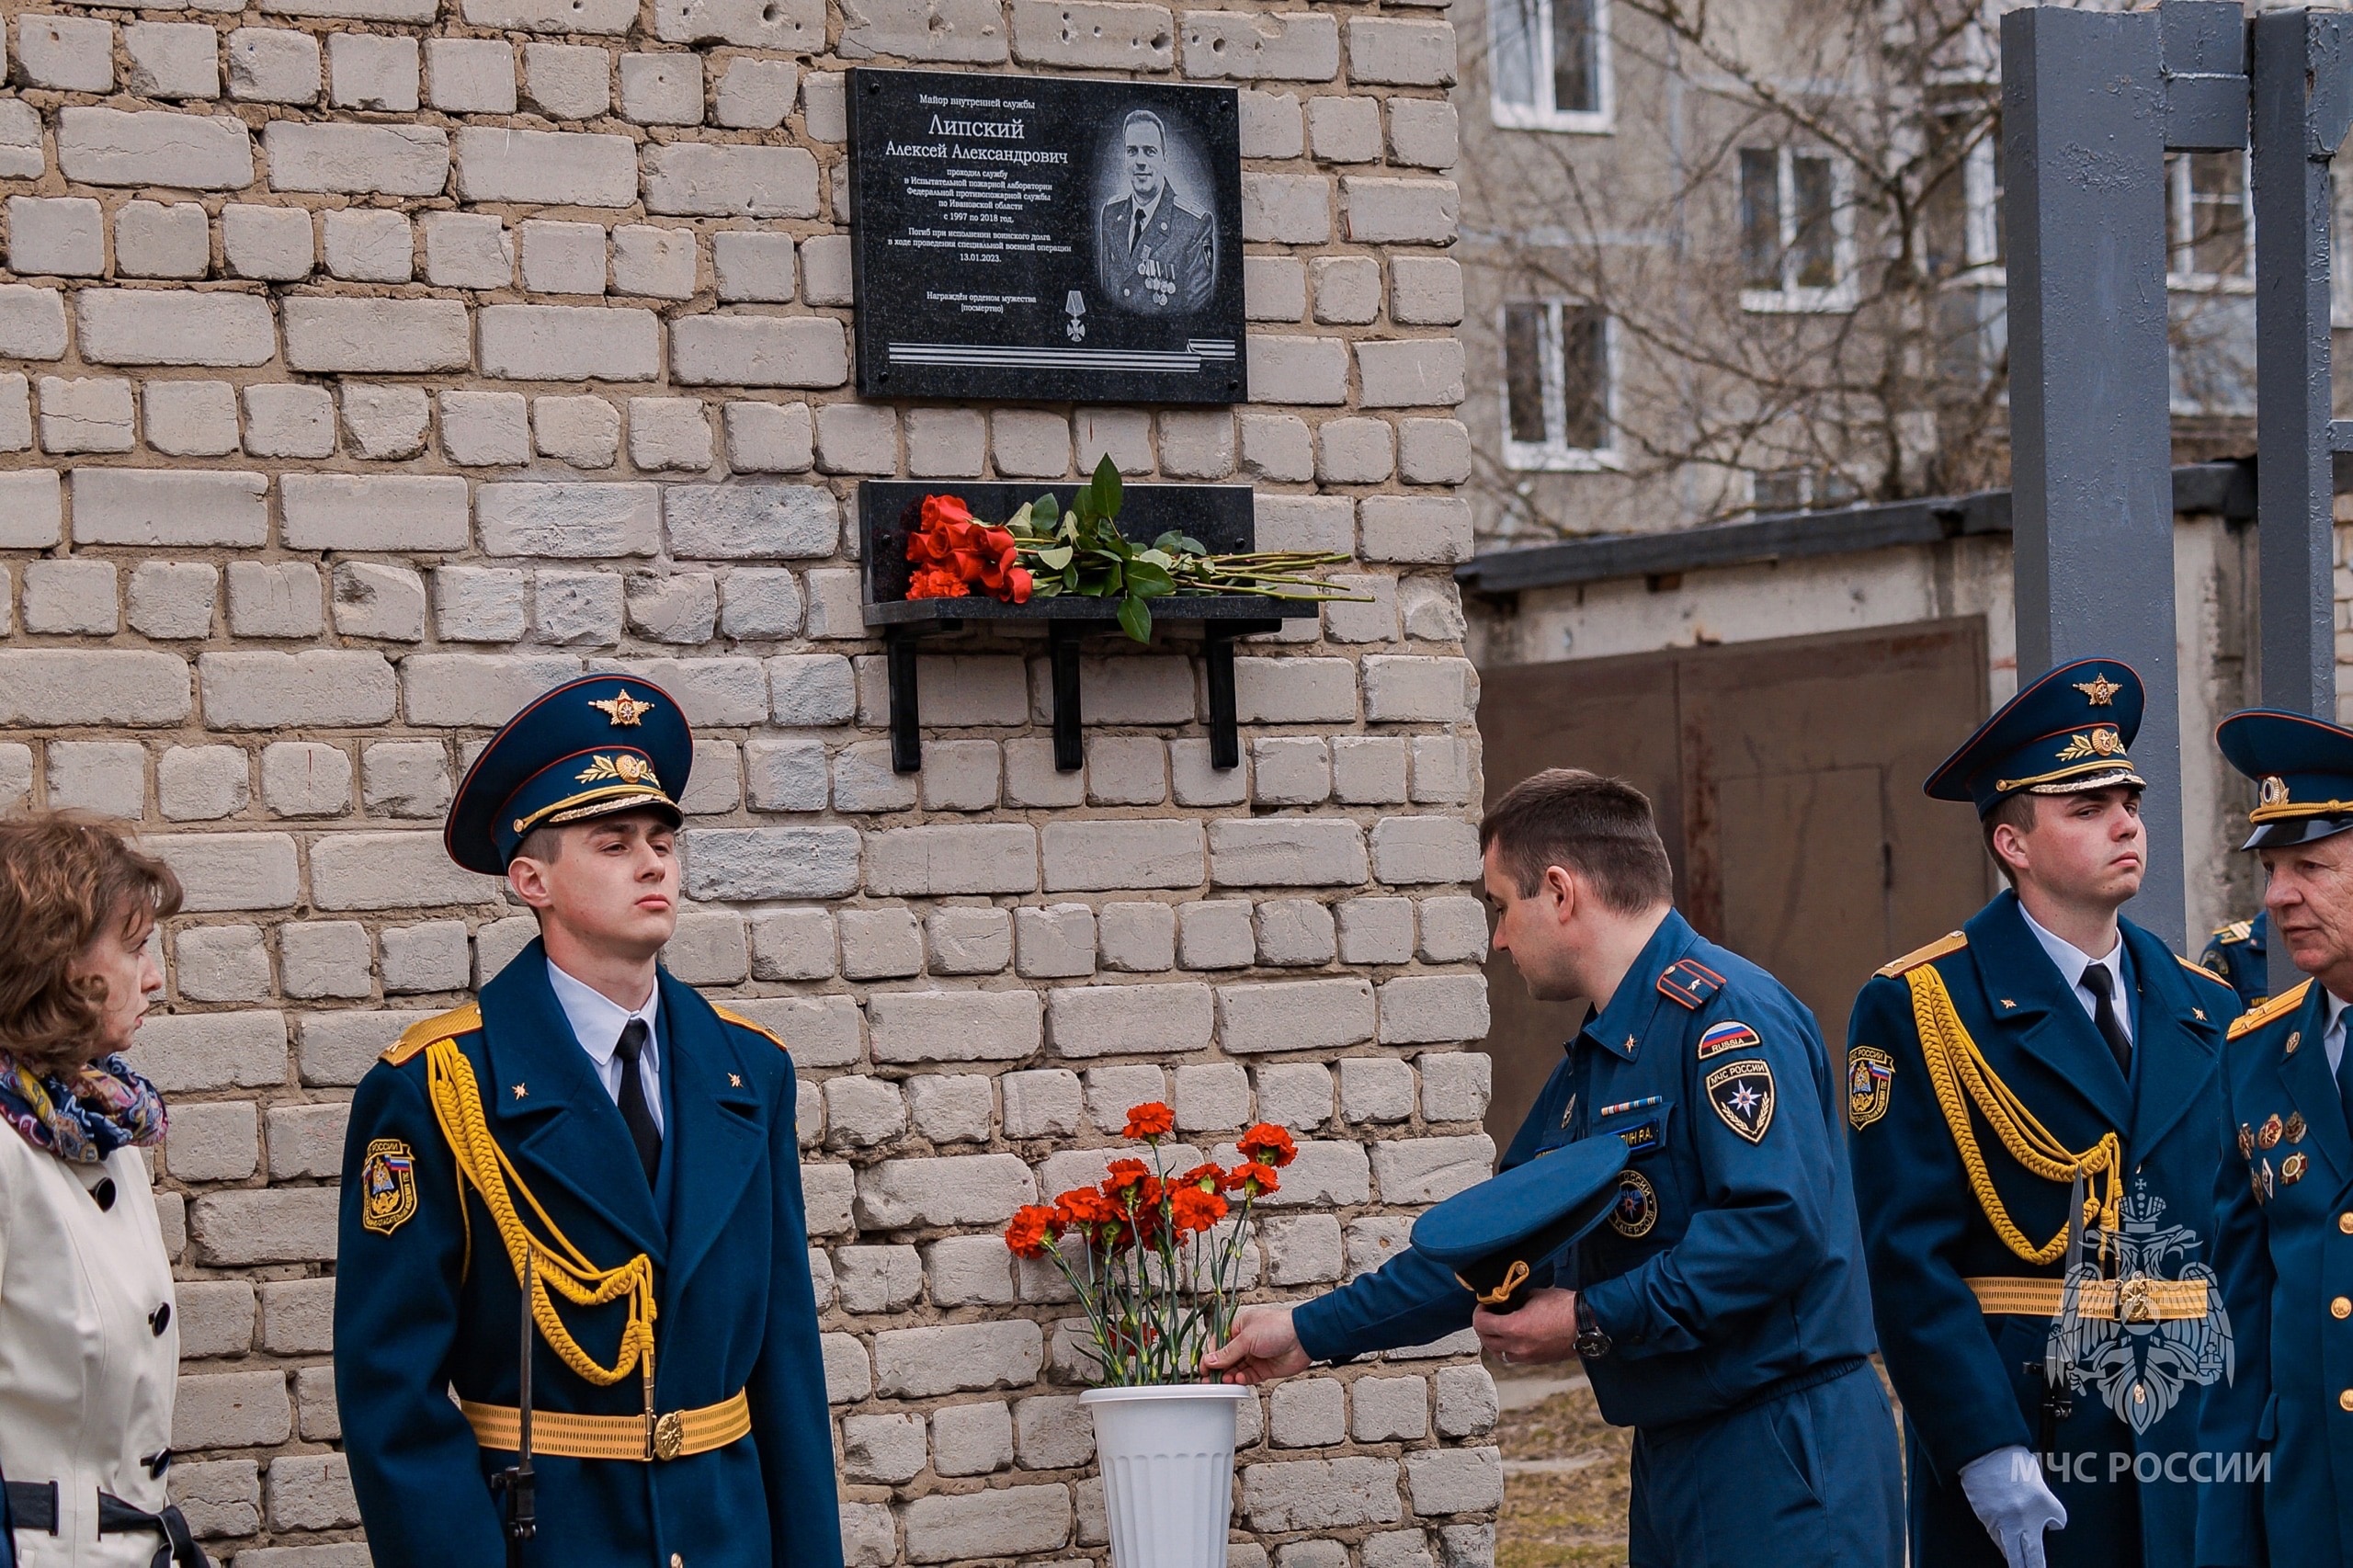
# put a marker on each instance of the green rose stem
(1080, 553)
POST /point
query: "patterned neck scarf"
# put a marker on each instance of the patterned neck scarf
(83, 1115)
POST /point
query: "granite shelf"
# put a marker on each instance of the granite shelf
(1219, 515)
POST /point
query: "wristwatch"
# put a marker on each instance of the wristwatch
(1591, 1342)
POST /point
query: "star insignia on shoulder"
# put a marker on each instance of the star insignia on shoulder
(623, 710)
(521, 1091)
(734, 1080)
(2100, 691)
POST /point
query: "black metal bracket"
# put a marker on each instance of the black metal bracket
(1217, 652)
(907, 710)
(900, 642)
(1062, 655)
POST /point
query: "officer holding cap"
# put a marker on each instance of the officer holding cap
(2050, 1354)
(2279, 1488)
(598, 1128)
(1721, 1308)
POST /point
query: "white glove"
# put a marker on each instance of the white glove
(2005, 1488)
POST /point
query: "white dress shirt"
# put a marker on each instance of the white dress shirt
(2073, 961)
(2332, 1040)
(597, 1023)
(1139, 218)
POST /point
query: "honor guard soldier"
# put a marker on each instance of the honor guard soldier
(599, 1130)
(1721, 1310)
(2239, 953)
(2279, 1479)
(2033, 1101)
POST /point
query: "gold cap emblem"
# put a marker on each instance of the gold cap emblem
(623, 710)
(2099, 742)
(2273, 790)
(2099, 690)
(627, 766)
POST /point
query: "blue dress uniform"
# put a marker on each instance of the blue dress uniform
(678, 1405)
(1728, 1279)
(2281, 1489)
(1978, 1085)
(2239, 953)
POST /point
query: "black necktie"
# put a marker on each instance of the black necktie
(634, 1110)
(2111, 1029)
(1135, 234)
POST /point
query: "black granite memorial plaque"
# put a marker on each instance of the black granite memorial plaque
(1044, 237)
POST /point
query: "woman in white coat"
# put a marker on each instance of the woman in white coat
(88, 1349)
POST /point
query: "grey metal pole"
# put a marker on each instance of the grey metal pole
(2300, 107)
(2082, 114)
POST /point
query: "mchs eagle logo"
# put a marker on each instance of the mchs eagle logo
(2113, 1335)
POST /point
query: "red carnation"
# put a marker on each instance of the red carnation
(1208, 1177)
(1150, 1119)
(1033, 1229)
(1193, 1210)
(1269, 1143)
(936, 582)
(1254, 1179)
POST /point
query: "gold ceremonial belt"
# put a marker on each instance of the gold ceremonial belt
(571, 1437)
(2137, 1300)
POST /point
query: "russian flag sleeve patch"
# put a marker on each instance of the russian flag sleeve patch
(1729, 1035)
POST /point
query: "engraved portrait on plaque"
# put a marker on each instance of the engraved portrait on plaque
(1155, 246)
(1041, 237)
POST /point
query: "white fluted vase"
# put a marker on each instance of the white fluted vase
(1167, 1461)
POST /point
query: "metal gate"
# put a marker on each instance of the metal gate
(2091, 104)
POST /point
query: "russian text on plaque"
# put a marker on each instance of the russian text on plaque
(1044, 237)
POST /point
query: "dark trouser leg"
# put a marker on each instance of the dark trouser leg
(1810, 1478)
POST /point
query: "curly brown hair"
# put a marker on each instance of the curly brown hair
(65, 880)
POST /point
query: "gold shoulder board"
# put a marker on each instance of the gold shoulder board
(2202, 972)
(2237, 931)
(2287, 1002)
(740, 1021)
(448, 1026)
(1950, 942)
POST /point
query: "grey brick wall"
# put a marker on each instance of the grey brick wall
(371, 364)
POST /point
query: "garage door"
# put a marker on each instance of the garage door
(1786, 776)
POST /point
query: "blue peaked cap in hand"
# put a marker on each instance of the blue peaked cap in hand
(1500, 1236)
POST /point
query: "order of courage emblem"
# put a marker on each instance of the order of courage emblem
(387, 1185)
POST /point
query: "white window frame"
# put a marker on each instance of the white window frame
(1981, 183)
(1790, 300)
(2178, 206)
(1541, 114)
(1551, 455)
(1810, 485)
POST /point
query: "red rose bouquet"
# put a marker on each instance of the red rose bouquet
(1154, 1262)
(952, 555)
(1048, 551)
